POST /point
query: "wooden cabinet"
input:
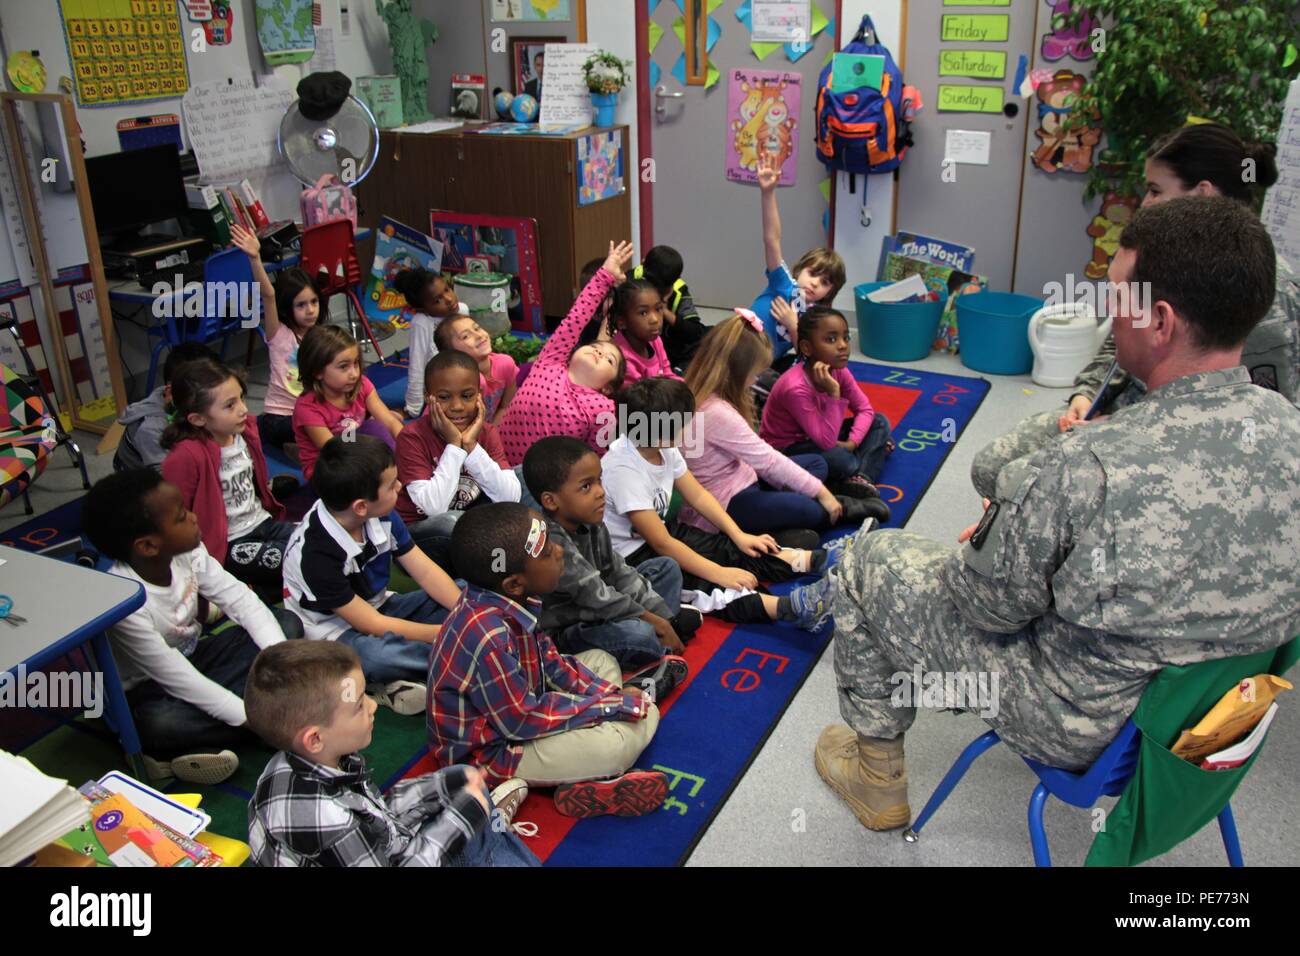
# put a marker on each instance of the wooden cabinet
(536, 177)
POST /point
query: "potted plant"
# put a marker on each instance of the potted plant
(606, 75)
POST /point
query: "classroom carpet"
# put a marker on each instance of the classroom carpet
(743, 677)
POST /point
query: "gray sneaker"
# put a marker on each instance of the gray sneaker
(811, 603)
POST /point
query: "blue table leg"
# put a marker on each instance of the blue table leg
(116, 708)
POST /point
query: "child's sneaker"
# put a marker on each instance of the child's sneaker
(634, 794)
(405, 697)
(204, 769)
(659, 677)
(811, 604)
(799, 539)
(507, 798)
(858, 509)
(687, 622)
(855, 486)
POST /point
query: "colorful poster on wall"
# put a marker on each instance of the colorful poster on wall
(761, 110)
(125, 51)
(512, 11)
(1061, 149)
(600, 167)
(1064, 40)
(397, 247)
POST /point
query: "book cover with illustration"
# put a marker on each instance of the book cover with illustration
(943, 279)
(916, 246)
(397, 247)
(120, 834)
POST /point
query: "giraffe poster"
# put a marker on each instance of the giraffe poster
(761, 110)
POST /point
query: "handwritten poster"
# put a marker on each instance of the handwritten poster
(232, 126)
(775, 22)
(970, 99)
(567, 98)
(761, 110)
(1281, 214)
(976, 27)
(977, 64)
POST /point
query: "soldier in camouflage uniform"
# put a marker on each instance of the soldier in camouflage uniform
(1206, 159)
(1166, 535)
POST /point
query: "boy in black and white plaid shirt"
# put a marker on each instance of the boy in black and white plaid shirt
(315, 804)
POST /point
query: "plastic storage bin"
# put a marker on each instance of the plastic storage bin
(993, 328)
(896, 331)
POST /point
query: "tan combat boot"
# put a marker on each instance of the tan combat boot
(868, 773)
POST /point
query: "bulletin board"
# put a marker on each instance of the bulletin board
(125, 51)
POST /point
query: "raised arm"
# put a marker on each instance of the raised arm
(769, 174)
(252, 247)
(565, 338)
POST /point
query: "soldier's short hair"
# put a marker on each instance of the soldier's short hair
(1211, 259)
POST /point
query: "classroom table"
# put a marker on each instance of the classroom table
(67, 606)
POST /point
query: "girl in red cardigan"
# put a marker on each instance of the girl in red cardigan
(215, 458)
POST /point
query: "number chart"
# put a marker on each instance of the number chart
(125, 51)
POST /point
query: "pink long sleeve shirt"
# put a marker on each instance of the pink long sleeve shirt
(638, 366)
(797, 411)
(549, 403)
(730, 458)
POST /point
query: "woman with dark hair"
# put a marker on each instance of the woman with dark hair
(1205, 159)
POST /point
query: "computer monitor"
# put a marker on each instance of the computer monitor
(135, 189)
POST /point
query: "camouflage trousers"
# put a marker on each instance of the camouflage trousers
(895, 624)
(1030, 435)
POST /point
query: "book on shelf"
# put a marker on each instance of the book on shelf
(252, 204)
(35, 809)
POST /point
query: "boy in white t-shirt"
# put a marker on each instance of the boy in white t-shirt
(640, 472)
(184, 690)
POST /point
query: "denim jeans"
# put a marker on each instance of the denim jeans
(392, 657)
(631, 641)
(760, 508)
(495, 845)
(432, 535)
(257, 558)
(866, 460)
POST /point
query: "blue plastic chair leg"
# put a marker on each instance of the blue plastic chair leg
(950, 780)
(1037, 834)
(153, 366)
(1228, 829)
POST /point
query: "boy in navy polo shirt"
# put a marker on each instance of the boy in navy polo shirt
(337, 565)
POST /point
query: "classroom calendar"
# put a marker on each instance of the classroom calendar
(125, 51)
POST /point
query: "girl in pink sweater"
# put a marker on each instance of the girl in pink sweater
(760, 488)
(805, 412)
(568, 389)
(638, 319)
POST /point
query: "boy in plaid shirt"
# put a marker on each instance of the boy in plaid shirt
(315, 804)
(501, 696)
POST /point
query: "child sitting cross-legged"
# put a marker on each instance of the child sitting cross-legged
(337, 565)
(641, 470)
(144, 422)
(502, 697)
(316, 804)
(600, 602)
(183, 689)
(450, 458)
(432, 298)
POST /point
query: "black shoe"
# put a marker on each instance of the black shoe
(855, 486)
(282, 486)
(856, 510)
(801, 539)
(686, 622)
(660, 677)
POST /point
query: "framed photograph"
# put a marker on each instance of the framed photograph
(527, 58)
(506, 244)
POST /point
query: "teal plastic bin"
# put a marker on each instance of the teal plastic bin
(993, 329)
(895, 331)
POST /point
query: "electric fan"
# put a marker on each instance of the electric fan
(345, 144)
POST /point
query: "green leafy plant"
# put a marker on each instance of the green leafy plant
(605, 73)
(520, 348)
(1161, 61)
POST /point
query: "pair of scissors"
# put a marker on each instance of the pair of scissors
(6, 612)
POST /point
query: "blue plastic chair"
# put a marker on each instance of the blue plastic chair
(219, 272)
(1107, 777)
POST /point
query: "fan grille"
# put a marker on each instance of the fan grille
(305, 143)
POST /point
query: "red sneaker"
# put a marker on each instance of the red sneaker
(634, 794)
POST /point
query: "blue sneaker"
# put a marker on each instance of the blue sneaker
(811, 604)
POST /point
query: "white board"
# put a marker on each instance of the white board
(565, 97)
(232, 126)
(970, 146)
(1281, 214)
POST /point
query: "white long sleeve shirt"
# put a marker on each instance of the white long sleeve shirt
(156, 641)
(438, 493)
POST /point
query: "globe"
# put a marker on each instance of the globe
(524, 108)
(502, 102)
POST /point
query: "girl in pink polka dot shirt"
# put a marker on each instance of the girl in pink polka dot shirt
(568, 390)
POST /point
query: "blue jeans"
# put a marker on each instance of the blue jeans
(392, 657)
(631, 641)
(432, 535)
(866, 460)
(760, 508)
(495, 845)
(526, 496)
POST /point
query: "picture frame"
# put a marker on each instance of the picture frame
(509, 243)
(524, 52)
